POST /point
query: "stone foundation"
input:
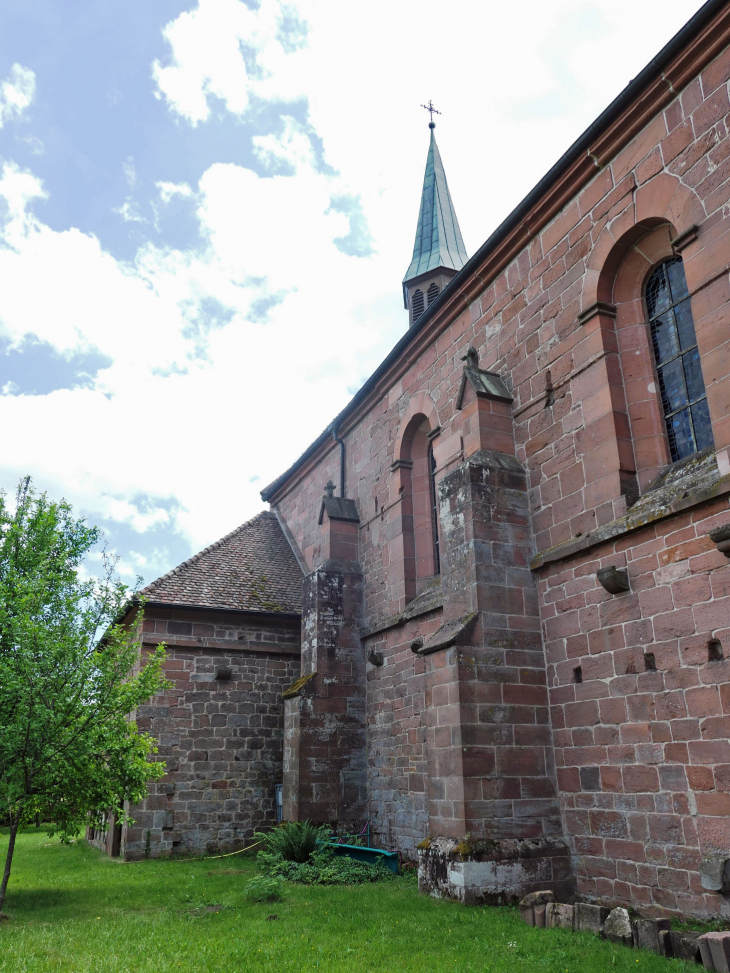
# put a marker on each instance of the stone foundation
(493, 872)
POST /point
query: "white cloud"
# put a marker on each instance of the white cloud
(231, 356)
(215, 350)
(209, 48)
(168, 190)
(16, 93)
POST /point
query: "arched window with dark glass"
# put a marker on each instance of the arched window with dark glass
(434, 509)
(677, 359)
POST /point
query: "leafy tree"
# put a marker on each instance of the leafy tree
(67, 744)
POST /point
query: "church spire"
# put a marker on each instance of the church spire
(439, 251)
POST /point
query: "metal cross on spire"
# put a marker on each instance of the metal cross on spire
(432, 111)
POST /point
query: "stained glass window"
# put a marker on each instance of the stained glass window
(677, 360)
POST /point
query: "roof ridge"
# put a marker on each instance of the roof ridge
(265, 514)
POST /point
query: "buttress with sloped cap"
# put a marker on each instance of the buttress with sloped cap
(438, 237)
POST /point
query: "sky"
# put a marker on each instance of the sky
(207, 208)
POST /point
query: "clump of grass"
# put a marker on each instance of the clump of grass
(264, 888)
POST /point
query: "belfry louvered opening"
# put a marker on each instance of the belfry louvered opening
(417, 304)
(432, 293)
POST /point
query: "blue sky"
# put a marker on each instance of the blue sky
(207, 206)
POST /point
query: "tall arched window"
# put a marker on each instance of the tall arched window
(418, 506)
(432, 293)
(434, 509)
(677, 360)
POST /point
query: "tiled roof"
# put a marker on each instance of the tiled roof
(251, 569)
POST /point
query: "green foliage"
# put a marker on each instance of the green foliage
(264, 888)
(75, 911)
(293, 841)
(67, 745)
(324, 867)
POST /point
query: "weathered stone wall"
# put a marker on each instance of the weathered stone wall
(642, 741)
(558, 313)
(221, 738)
(325, 754)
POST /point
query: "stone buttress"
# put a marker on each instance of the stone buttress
(494, 817)
(325, 776)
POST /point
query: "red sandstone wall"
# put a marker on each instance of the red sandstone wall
(586, 423)
(643, 756)
(222, 741)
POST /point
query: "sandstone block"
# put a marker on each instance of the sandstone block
(539, 911)
(558, 916)
(527, 914)
(705, 953)
(537, 898)
(590, 918)
(646, 933)
(617, 927)
(685, 945)
(719, 943)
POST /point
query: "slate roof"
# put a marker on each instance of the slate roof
(251, 569)
(438, 237)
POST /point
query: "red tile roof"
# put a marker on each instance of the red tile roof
(251, 569)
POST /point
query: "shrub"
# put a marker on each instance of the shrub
(264, 888)
(293, 841)
(323, 868)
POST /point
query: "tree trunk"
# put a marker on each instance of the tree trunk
(8, 862)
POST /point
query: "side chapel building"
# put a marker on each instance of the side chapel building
(503, 638)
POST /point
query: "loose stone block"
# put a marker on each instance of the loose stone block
(685, 945)
(528, 903)
(590, 918)
(647, 933)
(538, 898)
(705, 953)
(719, 943)
(539, 911)
(562, 916)
(617, 927)
(550, 908)
(527, 914)
(665, 942)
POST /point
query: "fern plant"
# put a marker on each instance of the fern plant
(293, 841)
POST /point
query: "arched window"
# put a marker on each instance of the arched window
(434, 510)
(432, 293)
(417, 304)
(677, 360)
(418, 507)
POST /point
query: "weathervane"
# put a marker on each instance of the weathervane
(432, 111)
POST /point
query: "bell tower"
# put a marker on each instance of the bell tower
(439, 252)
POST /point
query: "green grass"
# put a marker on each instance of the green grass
(74, 910)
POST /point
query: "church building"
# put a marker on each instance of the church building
(488, 610)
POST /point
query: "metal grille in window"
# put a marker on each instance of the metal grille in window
(434, 510)
(677, 360)
(432, 293)
(417, 304)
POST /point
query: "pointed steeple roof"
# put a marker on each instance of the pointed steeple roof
(438, 237)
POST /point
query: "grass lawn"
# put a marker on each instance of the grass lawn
(74, 910)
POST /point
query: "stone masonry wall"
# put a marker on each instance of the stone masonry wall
(221, 738)
(564, 324)
(642, 741)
